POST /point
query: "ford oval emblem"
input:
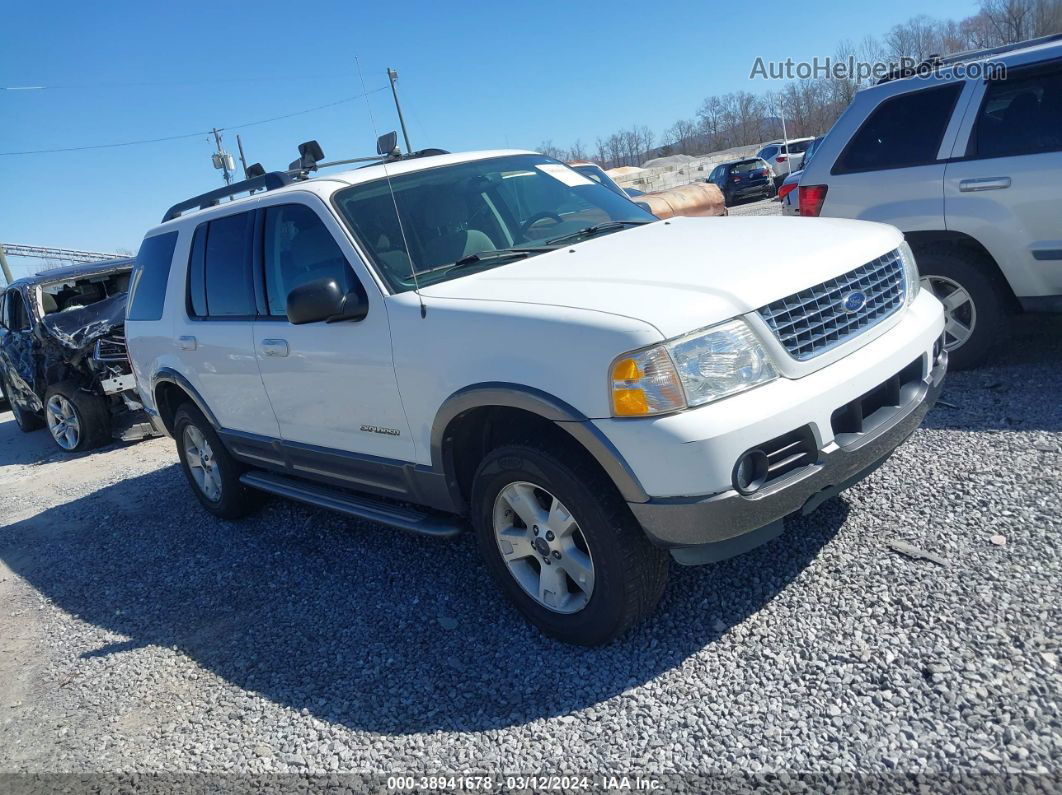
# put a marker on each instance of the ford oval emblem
(854, 301)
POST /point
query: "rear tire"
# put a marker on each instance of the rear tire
(977, 315)
(586, 532)
(212, 473)
(77, 420)
(26, 421)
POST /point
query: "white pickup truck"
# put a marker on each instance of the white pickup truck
(492, 339)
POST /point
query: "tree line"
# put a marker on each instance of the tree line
(810, 106)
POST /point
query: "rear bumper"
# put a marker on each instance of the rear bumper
(715, 527)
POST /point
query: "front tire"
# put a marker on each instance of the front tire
(212, 473)
(976, 314)
(78, 420)
(563, 546)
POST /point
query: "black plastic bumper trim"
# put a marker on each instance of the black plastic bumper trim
(721, 518)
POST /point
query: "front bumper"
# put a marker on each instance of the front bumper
(706, 529)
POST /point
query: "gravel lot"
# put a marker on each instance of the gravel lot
(139, 634)
(760, 207)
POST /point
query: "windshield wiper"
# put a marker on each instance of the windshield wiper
(596, 229)
(499, 253)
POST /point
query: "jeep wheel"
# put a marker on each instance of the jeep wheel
(212, 472)
(77, 420)
(976, 317)
(564, 547)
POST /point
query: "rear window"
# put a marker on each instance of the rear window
(747, 165)
(152, 272)
(768, 152)
(902, 131)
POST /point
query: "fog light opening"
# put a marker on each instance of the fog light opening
(750, 472)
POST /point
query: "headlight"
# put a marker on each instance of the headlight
(910, 272)
(689, 371)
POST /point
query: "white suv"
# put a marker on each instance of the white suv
(494, 338)
(970, 170)
(784, 157)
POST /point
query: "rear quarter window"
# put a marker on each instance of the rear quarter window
(147, 291)
(902, 131)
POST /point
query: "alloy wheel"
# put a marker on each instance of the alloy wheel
(960, 312)
(63, 422)
(201, 463)
(543, 547)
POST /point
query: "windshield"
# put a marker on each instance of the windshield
(517, 204)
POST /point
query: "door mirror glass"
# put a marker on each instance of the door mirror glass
(323, 300)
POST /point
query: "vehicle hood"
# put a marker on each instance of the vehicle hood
(685, 273)
(77, 328)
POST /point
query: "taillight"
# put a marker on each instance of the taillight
(735, 178)
(785, 190)
(780, 158)
(811, 199)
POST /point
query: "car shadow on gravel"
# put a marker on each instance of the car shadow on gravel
(1018, 389)
(359, 625)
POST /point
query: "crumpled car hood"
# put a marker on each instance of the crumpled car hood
(78, 328)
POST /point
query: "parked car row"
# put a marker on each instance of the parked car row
(499, 340)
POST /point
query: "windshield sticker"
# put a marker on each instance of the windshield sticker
(563, 174)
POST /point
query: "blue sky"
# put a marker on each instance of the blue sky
(471, 76)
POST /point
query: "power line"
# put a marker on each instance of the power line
(195, 134)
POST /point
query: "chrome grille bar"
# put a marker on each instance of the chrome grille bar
(814, 320)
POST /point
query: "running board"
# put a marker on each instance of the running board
(356, 505)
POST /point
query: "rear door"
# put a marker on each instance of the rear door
(332, 386)
(18, 348)
(1004, 187)
(891, 169)
(215, 332)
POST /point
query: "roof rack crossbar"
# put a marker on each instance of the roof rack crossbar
(898, 72)
(270, 181)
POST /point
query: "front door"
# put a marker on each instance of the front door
(332, 385)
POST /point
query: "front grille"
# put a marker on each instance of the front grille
(111, 349)
(812, 321)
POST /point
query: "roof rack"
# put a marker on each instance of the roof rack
(310, 154)
(269, 181)
(899, 72)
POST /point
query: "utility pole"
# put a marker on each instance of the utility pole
(392, 75)
(4, 267)
(223, 160)
(243, 160)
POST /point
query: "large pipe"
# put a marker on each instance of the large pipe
(4, 267)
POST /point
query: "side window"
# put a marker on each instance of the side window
(1020, 115)
(299, 249)
(904, 130)
(147, 290)
(17, 316)
(219, 268)
(3, 308)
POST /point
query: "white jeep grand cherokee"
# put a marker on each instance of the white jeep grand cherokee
(492, 337)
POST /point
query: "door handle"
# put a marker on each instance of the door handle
(187, 343)
(984, 183)
(274, 347)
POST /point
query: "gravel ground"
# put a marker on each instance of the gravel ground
(139, 634)
(760, 207)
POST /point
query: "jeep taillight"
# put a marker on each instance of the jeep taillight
(811, 199)
(785, 190)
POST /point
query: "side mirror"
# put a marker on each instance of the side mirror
(322, 299)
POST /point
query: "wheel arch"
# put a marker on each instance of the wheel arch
(170, 389)
(964, 243)
(475, 418)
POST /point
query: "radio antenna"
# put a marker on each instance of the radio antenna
(394, 201)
